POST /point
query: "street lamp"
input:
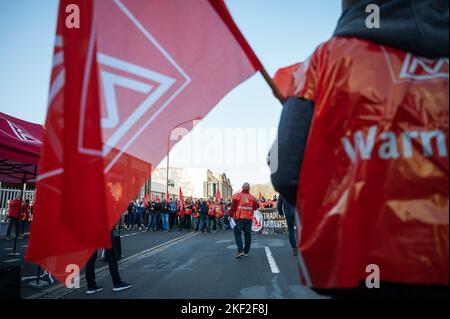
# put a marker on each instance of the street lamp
(168, 151)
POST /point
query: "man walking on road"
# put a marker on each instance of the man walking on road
(111, 257)
(242, 207)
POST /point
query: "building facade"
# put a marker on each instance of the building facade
(194, 182)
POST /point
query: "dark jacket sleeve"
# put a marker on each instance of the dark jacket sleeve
(286, 156)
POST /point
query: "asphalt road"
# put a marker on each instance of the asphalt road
(188, 265)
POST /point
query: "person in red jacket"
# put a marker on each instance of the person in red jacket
(212, 215)
(188, 209)
(196, 215)
(362, 152)
(24, 216)
(242, 207)
(13, 217)
(218, 210)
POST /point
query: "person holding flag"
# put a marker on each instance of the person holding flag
(178, 83)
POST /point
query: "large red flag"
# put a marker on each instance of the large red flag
(147, 198)
(131, 72)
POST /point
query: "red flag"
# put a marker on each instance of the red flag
(147, 198)
(259, 196)
(218, 196)
(157, 198)
(167, 197)
(133, 69)
(181, 200)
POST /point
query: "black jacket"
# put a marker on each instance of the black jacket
(416, 26)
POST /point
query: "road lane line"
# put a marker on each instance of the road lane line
(272, 263)
(11, 260)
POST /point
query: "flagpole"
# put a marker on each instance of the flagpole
(272, 85)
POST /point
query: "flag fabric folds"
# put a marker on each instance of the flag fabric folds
(124, 79)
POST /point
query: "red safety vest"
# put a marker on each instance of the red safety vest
(219, 210)
(374, 184)
(195, 212)
(211, 209)
(245, 205)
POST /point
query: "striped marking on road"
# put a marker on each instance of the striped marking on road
(272, 263)
(8, 249)
(11, 260)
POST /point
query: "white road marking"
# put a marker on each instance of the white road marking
(24, 246)
(11, 260)
(272, 263)
(8, 249)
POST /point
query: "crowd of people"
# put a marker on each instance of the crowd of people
(209, 215)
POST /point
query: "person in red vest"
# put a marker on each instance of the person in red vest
(24, 217)
(196, 215)
(188, 209)
(362, 152)
(242, 206)
(218, 210)
(13, 217)
(212, 215)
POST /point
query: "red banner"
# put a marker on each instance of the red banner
(124, 79)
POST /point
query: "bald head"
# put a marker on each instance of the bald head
(246, 187)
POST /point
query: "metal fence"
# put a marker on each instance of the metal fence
(7, 194)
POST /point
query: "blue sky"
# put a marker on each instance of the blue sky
(281, 32)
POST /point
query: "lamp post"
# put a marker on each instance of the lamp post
(168, 151)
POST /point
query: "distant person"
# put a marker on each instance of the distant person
(111, 258)
(204, 217)
(288, 211)
(196, 215)
(242, 207)
(218, 210)
(13, 218)
(164, 209)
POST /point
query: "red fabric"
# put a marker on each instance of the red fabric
(195, 211)
(20, 146)
(13, 210)
(219, 210)
(211, 209)
(147, 198)
(20, 141)
(181, 200)
(374, 187)
(146, 67)
(243, 205)
(218, 195)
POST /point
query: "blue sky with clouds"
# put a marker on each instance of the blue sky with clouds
(281, 32)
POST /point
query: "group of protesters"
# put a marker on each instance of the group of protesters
(198, 215)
